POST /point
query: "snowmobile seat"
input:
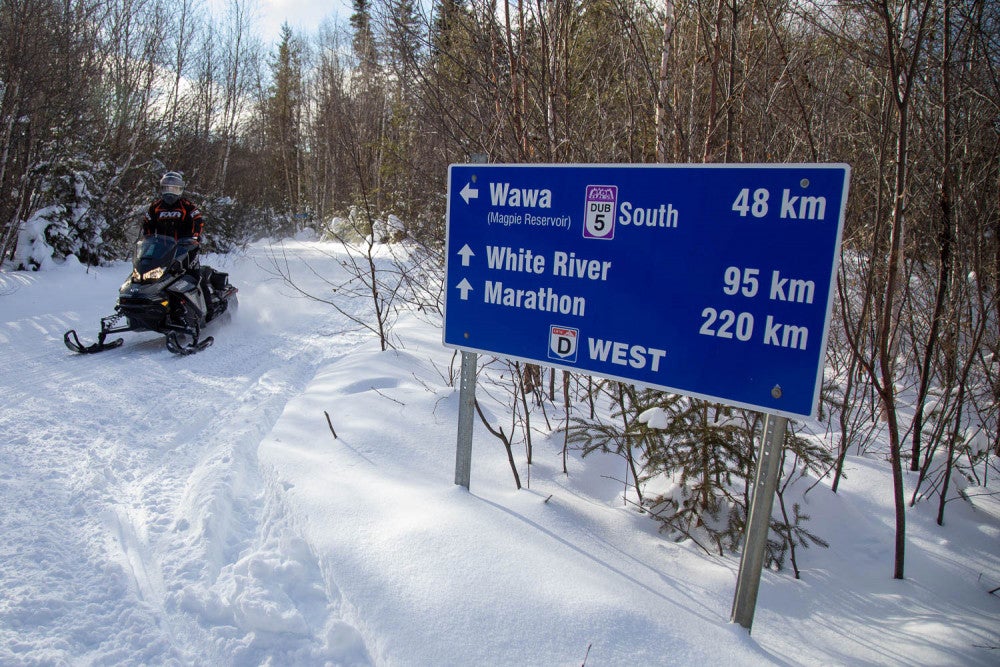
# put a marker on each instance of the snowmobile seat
(219, 280)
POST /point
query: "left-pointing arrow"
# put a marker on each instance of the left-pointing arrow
(464, 287)
(469, 192)
(466, 253)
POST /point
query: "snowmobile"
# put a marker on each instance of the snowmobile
(168, 292)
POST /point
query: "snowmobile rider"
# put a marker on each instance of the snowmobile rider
(174, 215)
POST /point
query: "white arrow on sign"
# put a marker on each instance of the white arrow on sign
(469, 192)
(466, 253)
(464, 288)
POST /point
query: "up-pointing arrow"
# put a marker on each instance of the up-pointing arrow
(466, 253)
(464, 288)
(469, 192)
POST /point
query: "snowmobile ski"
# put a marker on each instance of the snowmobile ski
(73, 342)
(175, 346)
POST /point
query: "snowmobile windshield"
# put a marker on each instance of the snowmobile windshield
(153, 256)
(156, 249)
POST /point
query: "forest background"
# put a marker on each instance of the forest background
(359, 122)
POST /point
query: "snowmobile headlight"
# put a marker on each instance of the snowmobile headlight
(153, 274)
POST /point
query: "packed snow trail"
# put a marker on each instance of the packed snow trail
(153, 536)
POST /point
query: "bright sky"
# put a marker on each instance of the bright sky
(304, 16)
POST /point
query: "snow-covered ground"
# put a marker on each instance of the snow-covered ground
(157, 509)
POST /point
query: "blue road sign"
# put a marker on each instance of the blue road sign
(714, 281)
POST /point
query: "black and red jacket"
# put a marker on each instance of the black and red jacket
(181, 220)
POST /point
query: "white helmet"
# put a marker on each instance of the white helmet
(171, 187)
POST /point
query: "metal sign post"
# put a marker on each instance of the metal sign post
(466, 401)
(758, 520)
(466, 407)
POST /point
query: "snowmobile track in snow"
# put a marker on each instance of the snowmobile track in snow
(194, 552)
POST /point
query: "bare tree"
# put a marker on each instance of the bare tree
(240, 60)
